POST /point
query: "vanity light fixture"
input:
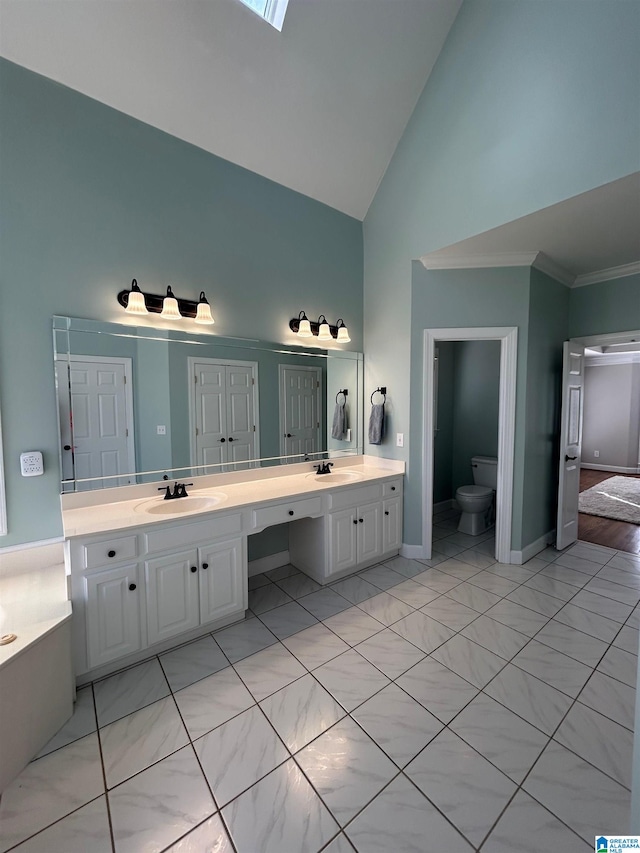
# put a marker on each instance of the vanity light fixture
(135, 303)
(203, 312)
(170, 307)
(170, 310)
(305, 328)
(324, 332)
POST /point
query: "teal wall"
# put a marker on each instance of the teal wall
(90, 198)
(461, 298)
(468, 398)
(548, 322)
(609, 306)
(518, 114)
(476, 395)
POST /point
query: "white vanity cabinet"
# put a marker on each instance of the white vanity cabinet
(134, 592)
(363, 526)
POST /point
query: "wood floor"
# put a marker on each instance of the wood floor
(621, 535)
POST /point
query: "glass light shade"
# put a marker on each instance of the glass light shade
(324, 333)
(135, 300)
(304, 329)
(203, 313)
(170, 310)
(343, 335)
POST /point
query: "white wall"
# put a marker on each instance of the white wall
(611, 414)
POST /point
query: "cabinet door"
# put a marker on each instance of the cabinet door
(172, 595)
(223, 580)
(391, 524)
(342, 541)
(112, 598)
(369, 532)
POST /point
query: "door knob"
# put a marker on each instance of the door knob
(361, 520)
(132, 586)
(355, 520)
(569, 458)
(111, 553)
(386, 512)
(222, 440)
(205, 565)
(290, 512)
(231, 438)
(194, 568)
(288, 435)
(67, 447)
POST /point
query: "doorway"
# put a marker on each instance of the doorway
(508, 338)
(300, 407)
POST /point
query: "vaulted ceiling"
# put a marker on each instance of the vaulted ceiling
(319, 107)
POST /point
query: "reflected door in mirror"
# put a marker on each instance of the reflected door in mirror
(299, 411)
(224, 407)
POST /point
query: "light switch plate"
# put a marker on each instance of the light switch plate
(399, 439)
(31, 464)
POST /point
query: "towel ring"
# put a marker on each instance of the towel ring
(383, 391)
(344, 393)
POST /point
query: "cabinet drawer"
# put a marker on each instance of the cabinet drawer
(178, 535)
(110, 551)
(352, 497)
(290, 511)
(392, 489)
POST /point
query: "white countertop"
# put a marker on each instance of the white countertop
(259, 486)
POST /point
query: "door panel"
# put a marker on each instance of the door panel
(369, 532)
(570, 444)
(299, 410)
(210, 411)
(391, 524)
(223, 584)
(240, 413)
(172, 595)
(343, 540)
(112, 614)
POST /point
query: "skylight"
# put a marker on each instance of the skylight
(273, 11)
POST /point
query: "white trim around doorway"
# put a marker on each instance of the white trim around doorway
(508, 337)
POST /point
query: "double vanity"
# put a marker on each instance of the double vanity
(146, 573)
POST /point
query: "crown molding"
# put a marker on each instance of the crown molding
(549, 267)
(607, 275)
(542, 262)
(441, 261)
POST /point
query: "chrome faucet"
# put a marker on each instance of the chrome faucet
(324, 467)
(179, 491)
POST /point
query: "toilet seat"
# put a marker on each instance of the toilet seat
(474, 491)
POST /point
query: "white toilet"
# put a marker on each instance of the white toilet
(477, 501)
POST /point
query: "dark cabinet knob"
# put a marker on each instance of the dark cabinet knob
(67, 447)
(194, 568)
(361, 520)
(205, 565)
(223, 440)
(290, 512)
(288, 435)
(386, 512)
(132, 586)
(393, 488)
(355, 520)
(231, 438)
(111, 553)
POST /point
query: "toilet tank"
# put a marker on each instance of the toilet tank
(485, 471)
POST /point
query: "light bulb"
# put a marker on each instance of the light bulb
(324, 332)
(170, 310)
(135, 300)
(343, 332)
(203, 313)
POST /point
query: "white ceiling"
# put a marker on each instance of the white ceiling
(584, 237)
(318, 108)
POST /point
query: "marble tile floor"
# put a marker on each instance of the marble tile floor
(456, 704)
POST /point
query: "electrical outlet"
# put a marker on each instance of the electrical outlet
(399, 439)
(596, 453)
(161, 430)
(31, 464)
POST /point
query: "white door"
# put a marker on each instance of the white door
(369, 532)
(299, 410)
(223, 580)
(210, 413)
(101, 421)
(112, 601)
(570, 444)
(224, 407)
(343, 540)
(391, 524)
(172, 595)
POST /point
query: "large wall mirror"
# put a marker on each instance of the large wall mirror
(136, 404)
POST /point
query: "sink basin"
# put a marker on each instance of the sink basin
(178, 506)
(337, 478)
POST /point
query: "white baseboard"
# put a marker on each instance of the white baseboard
(412, 552)
(615, 469)
(533, 548)
(265, 564)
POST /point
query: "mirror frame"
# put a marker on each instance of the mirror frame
(63, 325)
